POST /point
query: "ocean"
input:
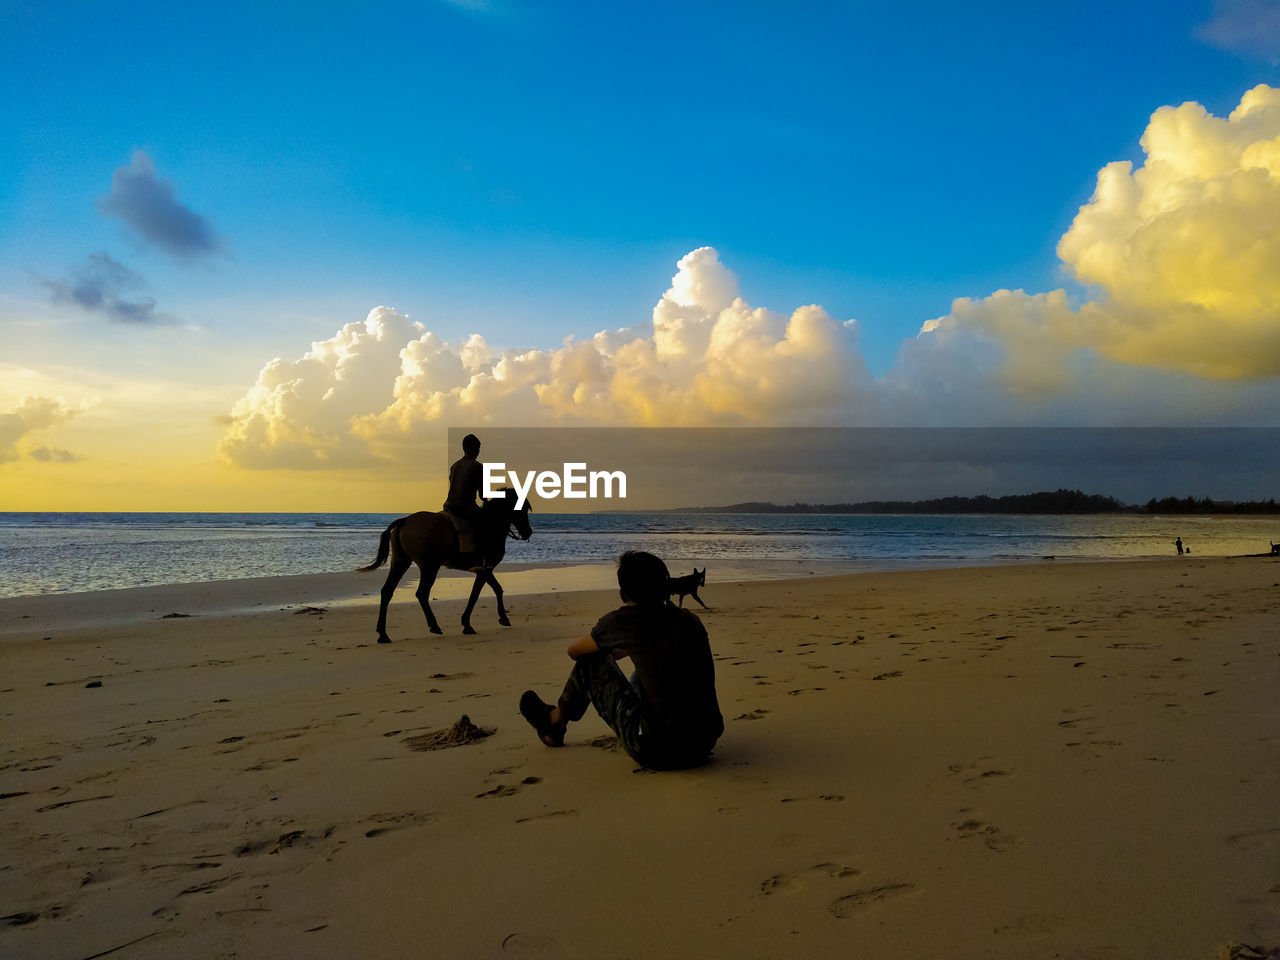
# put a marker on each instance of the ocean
(55, 553)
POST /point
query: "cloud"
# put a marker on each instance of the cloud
(53, 455)
(1247, 27)
(299, 413)
(98, 287)
(1183, 250)
(1184, 329)
(1186, 247)
(32, 413)
(148, 205)
(379, 389)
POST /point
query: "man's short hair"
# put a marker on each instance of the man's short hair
(642, 577)
(470, 443)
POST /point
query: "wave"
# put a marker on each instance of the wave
(97, 550)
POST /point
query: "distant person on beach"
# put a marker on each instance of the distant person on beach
(666, 716)
(466, 478)
(1178, 543)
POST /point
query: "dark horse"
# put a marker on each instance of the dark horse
(430, 541)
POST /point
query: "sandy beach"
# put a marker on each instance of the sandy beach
(1054, 760)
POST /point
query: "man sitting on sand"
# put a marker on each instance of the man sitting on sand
(667, 716)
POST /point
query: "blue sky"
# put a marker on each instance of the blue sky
(531, 171)
(535, 169)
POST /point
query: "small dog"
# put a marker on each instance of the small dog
(688, 585)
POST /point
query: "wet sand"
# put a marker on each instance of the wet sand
(1075, 760)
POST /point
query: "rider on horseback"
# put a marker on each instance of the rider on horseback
(466, 479)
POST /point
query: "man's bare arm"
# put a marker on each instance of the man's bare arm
(583, 646)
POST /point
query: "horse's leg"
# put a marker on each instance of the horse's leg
(427, 578)
(398, 566)
(471, 603)
(497, 592)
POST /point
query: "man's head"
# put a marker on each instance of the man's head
(471, 445)
(642, 577)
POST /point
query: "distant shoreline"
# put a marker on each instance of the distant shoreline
(818, 511)
(1044, 503)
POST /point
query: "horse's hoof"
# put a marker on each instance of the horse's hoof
(468, 630)
(504, 621)
(436, 630)
(384, 639)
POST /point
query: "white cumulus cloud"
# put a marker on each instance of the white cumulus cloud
(1184, 327)
(378, 388)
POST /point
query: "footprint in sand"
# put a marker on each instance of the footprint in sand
(794, 882)
(1255, 839)
(992, 836)
(253, 847)
(858, 902)
(503, 790)
(547, 816)
(978, 774)
(388, 822)
(269, 764)
(820, 875)
(171, 909)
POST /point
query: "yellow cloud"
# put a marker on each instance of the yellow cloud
(1187, 248)
(1184, 251)
(32, 414)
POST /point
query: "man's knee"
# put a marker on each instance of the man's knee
(609, 691)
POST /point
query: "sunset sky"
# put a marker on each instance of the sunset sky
(262, 256)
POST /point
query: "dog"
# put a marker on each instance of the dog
(1275, 548)
(688, 586)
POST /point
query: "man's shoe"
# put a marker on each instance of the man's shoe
(538, 714)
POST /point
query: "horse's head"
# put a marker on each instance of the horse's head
(520, 522)
(517, 520)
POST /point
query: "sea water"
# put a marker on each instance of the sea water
(50, 553)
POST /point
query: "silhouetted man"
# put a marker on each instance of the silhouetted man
(466, 479)
(667, 717)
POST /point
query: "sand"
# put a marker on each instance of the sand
(1057, 760)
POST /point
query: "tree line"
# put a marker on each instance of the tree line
(1051, 502)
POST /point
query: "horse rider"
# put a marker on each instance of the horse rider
(466, 479)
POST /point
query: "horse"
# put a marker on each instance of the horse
(431, 541)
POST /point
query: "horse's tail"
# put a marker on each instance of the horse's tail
(384, 548)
